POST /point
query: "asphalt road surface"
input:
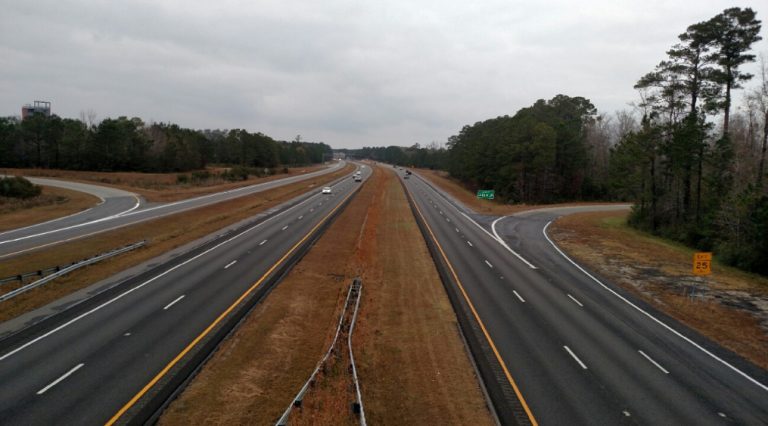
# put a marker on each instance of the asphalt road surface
(582, 351)
(122, 211)
(85, 368)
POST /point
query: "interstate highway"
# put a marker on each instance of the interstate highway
(579, 351)
(82, 225)
(85, 367)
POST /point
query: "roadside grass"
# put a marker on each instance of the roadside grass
(158, 187)
(53, 203)
(162, 234)
(730, 306)
(412, 364)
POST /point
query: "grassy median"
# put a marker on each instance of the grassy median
(412, 363)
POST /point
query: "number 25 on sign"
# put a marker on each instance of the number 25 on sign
(702, 263)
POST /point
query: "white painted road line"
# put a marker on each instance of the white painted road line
(457, 229)
(301, 217)
(285, 227)
(517, 294)
(575, 357)
(470, 244)
(57, 381)
(489, 264)
(503, 243)
(263, 242)
(653, 362)
(230, 264)
(576, 301)
(651, 317)
(173, 303)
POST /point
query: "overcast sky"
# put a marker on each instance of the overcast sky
(349, 73)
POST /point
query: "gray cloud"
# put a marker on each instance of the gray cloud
(344, 72)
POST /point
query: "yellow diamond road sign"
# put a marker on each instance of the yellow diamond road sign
(702, 263)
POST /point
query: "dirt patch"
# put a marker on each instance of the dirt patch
(159, 187)
(413, 367)
(729, 306)
(489, 207)
(52, 203)
(162, 234)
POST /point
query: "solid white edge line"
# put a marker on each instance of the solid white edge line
(574, 299)
(518, 295)
(131, 290)
(575, 357)
(57, 381)
(502, 242)
(658, 321)
(653, 362)
(173, 303)
(230, 264)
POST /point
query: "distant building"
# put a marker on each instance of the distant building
(39, 107)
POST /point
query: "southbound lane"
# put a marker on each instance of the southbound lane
(32, 238)
(85, 370)
(578, 353)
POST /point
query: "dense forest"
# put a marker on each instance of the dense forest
(693, 165)
(124, 144)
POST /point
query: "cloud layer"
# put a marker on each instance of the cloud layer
(345, 72)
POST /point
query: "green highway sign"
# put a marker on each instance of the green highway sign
(488, 194)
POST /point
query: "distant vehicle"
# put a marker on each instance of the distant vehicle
(358, 178)
(327, 190)
(406, 176)
(407, 172)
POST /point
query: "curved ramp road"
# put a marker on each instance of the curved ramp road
(98, 362)
(51, 233)
(114, 202)
(581, 351)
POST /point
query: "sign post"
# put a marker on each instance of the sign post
(487, 194)
(702, 263)
(702, 266)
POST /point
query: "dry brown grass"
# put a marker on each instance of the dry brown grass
(468, 198)
(163, 234)
(660, 273)
(413, 366)
(155, 187)
(53, 203)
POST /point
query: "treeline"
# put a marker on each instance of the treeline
(430, 157)
(539, 155)
(129, 144)
(692, 181)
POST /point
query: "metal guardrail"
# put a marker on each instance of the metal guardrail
(353, 296)
(63, 271)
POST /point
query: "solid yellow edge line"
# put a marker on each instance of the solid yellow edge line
(477, 317)
(208, 329)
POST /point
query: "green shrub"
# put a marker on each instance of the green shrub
(18, 187)
(182, 178)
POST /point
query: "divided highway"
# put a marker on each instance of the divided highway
(102, 361)
(575, 350)
(122, 211)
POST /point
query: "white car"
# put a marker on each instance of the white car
(326, 190)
